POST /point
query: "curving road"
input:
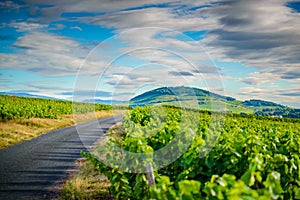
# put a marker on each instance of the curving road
(31, 169)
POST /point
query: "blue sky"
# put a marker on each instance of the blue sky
(118, 49)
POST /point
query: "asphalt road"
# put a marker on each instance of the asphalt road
(31, 169)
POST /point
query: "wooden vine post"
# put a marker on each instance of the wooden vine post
(150, 174)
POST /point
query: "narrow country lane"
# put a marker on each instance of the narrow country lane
(31, 169)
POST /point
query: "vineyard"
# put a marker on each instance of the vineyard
(223, 157)
(21, 107)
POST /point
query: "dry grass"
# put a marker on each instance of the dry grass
(117, 133)
(87, 184)
(15, 131)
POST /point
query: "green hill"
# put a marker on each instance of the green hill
(205, 100)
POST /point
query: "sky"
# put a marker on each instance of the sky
(117, 49)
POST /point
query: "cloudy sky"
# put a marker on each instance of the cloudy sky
(110, 49)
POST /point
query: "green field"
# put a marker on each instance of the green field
(12, 107)
(23, 118)
(245, 157)
(214, 155)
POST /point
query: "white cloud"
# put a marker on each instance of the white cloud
(289, 96)
(258, 33)
(76, 28)
(258, 78)
(50, 55)
(10, 5)
(150, 17)
(26, 26)
(261, 34)
(57, 27)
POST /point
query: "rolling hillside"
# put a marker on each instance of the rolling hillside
(205, 100)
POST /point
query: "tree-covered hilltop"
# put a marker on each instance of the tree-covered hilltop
(206, 100)
(259, 103)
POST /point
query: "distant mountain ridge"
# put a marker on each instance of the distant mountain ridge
(23, 94)
(101, 101)
(255, 102)
(207, 100)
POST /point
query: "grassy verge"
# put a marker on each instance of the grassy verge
(15, 131)
(89, 183)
